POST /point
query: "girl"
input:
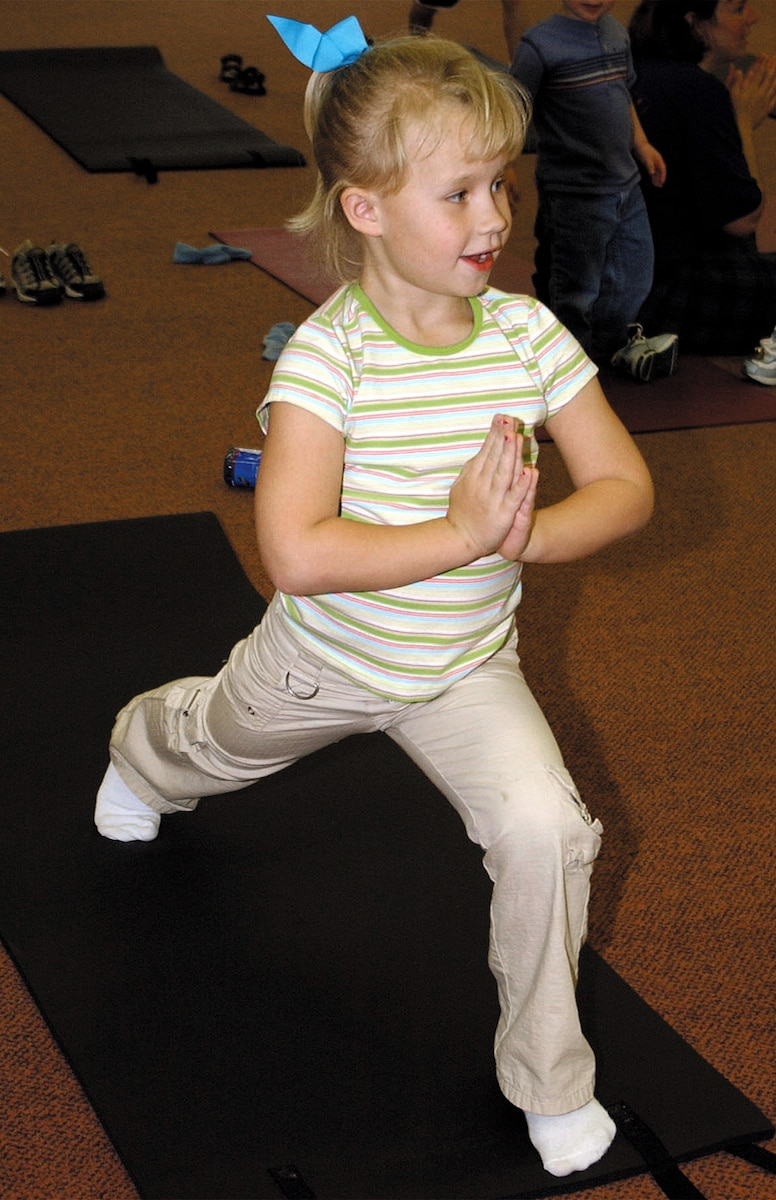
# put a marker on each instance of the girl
(395, 507)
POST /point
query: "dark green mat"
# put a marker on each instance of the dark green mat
(293, 976)
(118, 108)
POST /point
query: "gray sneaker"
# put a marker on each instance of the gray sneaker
(32, 276)
(646, 358)
(68, 265)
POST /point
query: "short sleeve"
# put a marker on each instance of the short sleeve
(551, 354)
(314, 372)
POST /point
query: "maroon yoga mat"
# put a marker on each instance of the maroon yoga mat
(703, 392)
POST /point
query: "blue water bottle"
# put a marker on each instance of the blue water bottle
(241, 466)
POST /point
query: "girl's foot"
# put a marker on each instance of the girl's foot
(573, 1140)
(119, 815)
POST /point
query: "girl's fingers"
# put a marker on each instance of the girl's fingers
(497, 455)
(525, 486)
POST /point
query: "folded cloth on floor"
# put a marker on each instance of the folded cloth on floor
(275, 340)
(213, 255)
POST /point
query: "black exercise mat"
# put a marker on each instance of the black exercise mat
(286, 993)
(118, 108)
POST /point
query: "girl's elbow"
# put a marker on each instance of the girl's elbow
(281, 567)
(638, 503)
(281, 582)
(645, 505)
(645, 516)
(286, 575)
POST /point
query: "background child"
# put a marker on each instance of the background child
(395, 507)
(594, 257)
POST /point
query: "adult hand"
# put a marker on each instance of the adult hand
(754, 93)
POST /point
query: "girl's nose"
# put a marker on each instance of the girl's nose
(498, 215)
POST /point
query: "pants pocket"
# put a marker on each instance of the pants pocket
(184, 715)
(584, 845)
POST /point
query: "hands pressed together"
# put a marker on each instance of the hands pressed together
(754, 93)
(492, 501)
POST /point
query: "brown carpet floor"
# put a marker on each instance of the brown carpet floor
(655, 661)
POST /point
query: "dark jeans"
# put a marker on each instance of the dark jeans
(594, 264)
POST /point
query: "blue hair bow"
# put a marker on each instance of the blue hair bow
(340, 45)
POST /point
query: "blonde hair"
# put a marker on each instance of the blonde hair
(357, 118)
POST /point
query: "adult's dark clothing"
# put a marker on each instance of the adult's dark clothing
(715, 290)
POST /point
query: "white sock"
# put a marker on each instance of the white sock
(573, 1140)
(120, 815)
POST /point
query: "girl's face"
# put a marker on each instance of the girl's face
(725, 36)
(443, 230)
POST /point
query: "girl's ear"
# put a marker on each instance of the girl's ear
(361, 209)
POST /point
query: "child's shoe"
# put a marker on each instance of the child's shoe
(646, 358)
(761, 365)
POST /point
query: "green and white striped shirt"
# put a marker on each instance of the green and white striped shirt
(410, 417)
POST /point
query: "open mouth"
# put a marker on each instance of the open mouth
(481, 262)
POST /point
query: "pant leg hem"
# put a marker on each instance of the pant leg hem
(550, 1107)
(144, 792)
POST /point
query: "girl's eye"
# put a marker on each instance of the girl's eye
(499, 184)
(456, 197)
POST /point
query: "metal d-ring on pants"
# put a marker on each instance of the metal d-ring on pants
(485, 744)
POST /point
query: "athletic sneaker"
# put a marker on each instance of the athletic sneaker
(68, 264)
(761, 365)
(646, 358)
(32, 276)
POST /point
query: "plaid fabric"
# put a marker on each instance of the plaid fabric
(720, 303)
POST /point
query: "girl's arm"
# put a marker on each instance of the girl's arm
(307, 548)
(613, 495)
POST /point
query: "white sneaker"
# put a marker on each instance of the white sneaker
(647, 358)
(761, 365)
